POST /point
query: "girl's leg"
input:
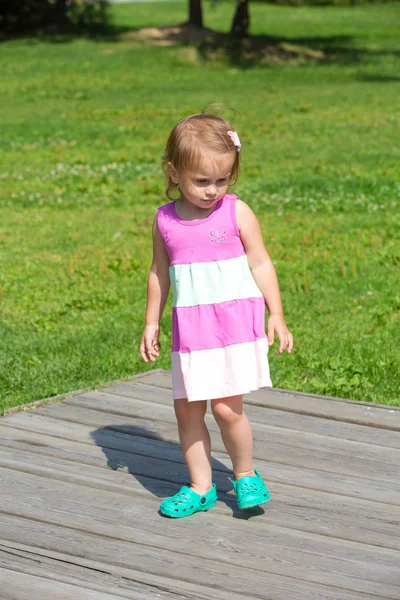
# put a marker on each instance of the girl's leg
(195, 442)
(236, 433)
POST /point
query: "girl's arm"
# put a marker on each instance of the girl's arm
(158, 284)
(264, 274)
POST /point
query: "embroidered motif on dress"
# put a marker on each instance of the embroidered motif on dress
(217, 236)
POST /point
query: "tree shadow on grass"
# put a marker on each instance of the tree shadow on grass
(270, 51)
(158, 464)
(258, 50)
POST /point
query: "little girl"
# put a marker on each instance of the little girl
(208, 245)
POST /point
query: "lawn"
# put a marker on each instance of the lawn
(83, 124)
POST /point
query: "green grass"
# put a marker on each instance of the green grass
(83, 126)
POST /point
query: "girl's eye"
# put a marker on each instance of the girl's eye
(222, 180)
(201, 180)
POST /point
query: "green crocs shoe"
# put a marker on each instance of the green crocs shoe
(250, 491)
(187, 501)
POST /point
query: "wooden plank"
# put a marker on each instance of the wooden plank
(372, 436)
(32, 587)
(385, 417)
(382, 491)
(14, 561)
(61, 433)
(159, 378)
(373, 415)
(145, 374)
(72, 473)
(313, 441)
(161, 587)
(140, 391)
(256, 580)
(315, 512)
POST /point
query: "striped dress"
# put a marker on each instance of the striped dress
(219, 345)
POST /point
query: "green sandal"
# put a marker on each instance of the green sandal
(250, 491)
(187, 501)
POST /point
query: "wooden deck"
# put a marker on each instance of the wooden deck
(81, 481)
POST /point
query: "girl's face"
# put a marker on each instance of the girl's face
(206, 183)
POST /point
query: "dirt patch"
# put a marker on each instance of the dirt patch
(212, 46)
(171, 35)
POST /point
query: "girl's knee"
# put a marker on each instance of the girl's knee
(189, 412)
(226, 411)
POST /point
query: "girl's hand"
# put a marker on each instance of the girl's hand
(276, 324)
(149, 346)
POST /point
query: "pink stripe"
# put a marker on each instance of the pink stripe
(215, 237)
(217, 325)
(202, 249)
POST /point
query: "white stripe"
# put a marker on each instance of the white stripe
(221, 372)
(213, 282)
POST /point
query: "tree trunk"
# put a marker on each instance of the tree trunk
(241, 20)
(195, 13)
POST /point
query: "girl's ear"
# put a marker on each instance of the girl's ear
(172, 172)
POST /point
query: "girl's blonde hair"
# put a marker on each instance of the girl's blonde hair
(193, 136)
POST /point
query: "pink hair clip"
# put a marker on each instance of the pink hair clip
(235, 139)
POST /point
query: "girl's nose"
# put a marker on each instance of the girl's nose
(211, 191)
